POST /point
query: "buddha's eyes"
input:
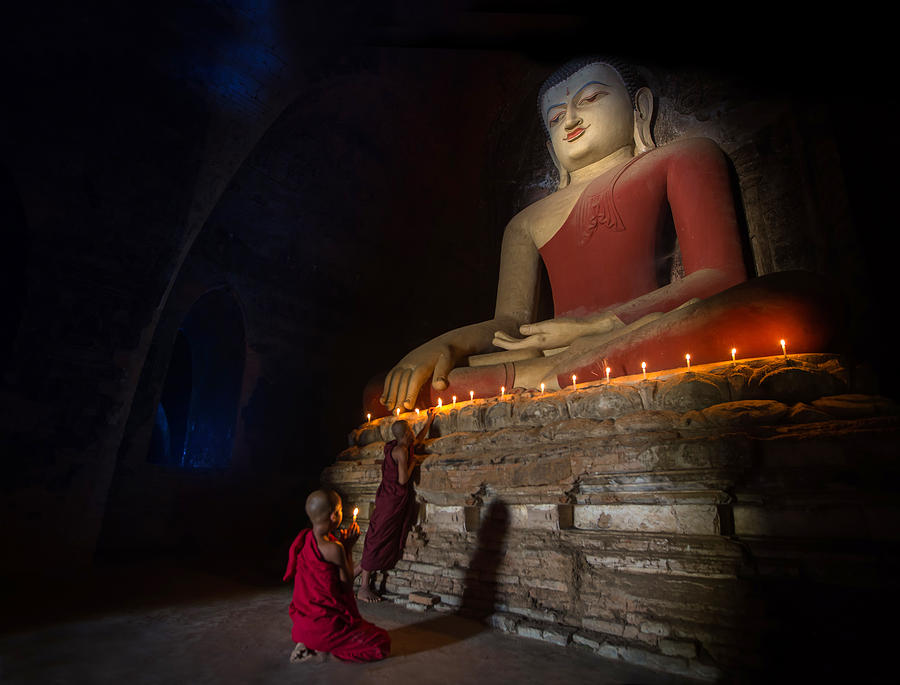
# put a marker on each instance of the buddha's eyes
(556, 117)
(591, 97)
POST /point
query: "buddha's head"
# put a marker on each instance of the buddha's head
(592, 107)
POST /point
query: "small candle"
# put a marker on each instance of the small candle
(733, 352)
(542, 388)
(368, 417)
(783, 349)
(471, 395)
(687, 358)
(574, 385)
(502, 390)
(644, 369)
(440, 402)
(397, 411)
(417, 411)
(454, 400)
(607, 375)
(355, 512)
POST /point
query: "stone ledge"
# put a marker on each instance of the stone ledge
(674, 656)
(797, 379)
(637, 521)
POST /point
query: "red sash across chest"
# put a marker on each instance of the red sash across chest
(605, 251)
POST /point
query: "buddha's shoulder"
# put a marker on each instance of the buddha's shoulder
(546, 212)
(693, 147)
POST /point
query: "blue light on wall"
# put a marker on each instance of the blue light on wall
(197, 415)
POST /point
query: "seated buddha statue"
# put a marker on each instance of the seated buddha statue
(600, 236)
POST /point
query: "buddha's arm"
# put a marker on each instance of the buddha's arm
(702, 204)
(516, 295)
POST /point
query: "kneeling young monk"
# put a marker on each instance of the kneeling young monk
(323, 608)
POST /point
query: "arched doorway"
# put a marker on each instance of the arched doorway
(197, 412)
(170, 423)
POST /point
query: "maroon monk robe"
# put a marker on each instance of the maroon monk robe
(324, 610)
(392, 518)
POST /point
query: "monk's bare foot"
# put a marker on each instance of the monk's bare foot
(366, 594)
(303, 653)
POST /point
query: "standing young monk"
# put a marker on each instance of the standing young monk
(323, 607)
(394, 505)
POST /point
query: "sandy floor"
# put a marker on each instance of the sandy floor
(241, 634)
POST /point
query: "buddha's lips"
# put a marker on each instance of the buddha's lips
(573, 134)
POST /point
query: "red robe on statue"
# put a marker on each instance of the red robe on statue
(324, 609)
(605, 255)
(607, 252)
(392, 518)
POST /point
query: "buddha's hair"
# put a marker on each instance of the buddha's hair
(630, 76)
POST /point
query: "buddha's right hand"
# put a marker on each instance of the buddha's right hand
(557, 332)
(403, 382)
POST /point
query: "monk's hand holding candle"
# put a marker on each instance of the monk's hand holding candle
(350, 534)
(416, 456)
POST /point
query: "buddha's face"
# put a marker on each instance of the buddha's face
(589, 115)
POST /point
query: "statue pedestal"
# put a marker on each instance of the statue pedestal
(673, 522)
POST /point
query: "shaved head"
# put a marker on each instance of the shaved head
(399, 429)
(321, 504)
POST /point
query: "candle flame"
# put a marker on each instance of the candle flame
(542, 388)
(397, 411)
(687, 358)
(440, 402)
(355, 512)
(502, 390)
(733, 352)
(471, 395)
(417, 411)
(454, 399)
(368, 417)
(574, 385)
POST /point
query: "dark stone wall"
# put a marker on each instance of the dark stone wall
(348, 175)
(123, 132)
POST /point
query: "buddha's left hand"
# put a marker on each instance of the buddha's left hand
(546, 335)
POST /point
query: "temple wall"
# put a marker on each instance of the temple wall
(686, 522)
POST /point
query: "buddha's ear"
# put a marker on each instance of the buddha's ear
(563, 172)
(643, 115)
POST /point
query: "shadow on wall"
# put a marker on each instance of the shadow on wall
(479, 594)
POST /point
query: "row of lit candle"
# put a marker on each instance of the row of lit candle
(687, 359)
